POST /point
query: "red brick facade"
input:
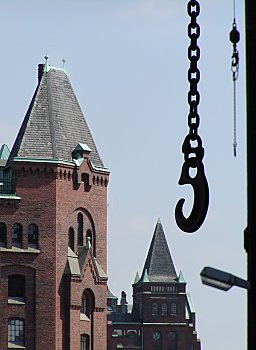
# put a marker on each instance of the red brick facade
(54, 195)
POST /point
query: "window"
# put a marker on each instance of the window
(2, 234)
(84, 342)
(173, 340)
(17, 235)
(117, 333)
(164, 309)
(87, 305)
(131, 339)
(83, 305)
(71, 238)
(16, 287)
(16, 332)
(80, 222)
(174, 309)
(154, 309)
(33, 236)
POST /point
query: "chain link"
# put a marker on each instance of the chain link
(193, 78)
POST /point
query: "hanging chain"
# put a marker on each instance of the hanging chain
(192, 145)
(193, 72)
(234, 38)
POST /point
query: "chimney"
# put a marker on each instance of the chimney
(123, 303)
(40, 71)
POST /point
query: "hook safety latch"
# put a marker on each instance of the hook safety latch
(201, 196)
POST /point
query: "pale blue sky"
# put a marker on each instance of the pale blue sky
(127, 62)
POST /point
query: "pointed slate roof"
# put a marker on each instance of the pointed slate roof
(159, 266)
(54, 123)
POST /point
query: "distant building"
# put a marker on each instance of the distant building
(53, 227)
(162, 315)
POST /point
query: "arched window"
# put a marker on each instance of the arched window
(154, 309)
(131, 338)
(17, 235)
(3, 237)
(164, 309)
(87, 305)
(33, 236)
(16, 332)
(173, 309)
(84, 342)
(71, 238)
(16, 287)
(84, 304)
(80, 229)
(172, 336)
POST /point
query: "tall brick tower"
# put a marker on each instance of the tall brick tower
(53, 223)
(162, 316)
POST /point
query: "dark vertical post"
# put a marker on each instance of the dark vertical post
(250, 232)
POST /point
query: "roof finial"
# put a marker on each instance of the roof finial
(46, 66)
(63, 62)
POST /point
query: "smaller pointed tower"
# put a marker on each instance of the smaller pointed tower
(160, 301)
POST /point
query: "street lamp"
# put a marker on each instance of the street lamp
(221, 279)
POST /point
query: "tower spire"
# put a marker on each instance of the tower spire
(159, 266)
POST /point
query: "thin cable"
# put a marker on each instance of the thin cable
(234, 140)
(234, 38)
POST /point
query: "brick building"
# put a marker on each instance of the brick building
(53, 223)
(53, 243)
(162, 316)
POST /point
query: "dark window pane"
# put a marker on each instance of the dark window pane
(16, 286)
(71, 238)
(80, 230)
(2, 235)
(33, 236)
(17, 235)
(84, 342)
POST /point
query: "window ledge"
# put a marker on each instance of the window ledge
(16, 300)
(19, 250)
(83, 317)
(15, 346)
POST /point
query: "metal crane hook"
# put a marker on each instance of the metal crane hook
(201, 196)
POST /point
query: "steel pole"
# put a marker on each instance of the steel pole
(250, 231)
